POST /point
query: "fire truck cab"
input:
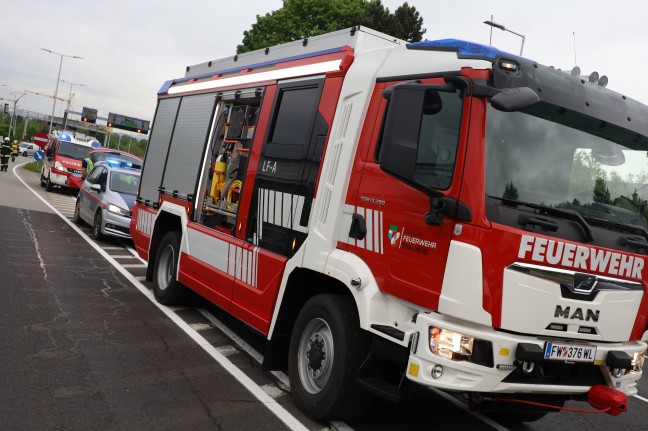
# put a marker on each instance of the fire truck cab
(387, 213)
(62, 163)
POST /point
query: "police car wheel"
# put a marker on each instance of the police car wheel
(327, 347)
(76, 218)
(166, 288)
(96, 227)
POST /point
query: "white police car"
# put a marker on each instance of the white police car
(106, 198)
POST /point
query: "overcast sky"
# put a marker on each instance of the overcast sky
(130, 47)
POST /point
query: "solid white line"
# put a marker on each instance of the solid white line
(232, 336)
(463, 407)
(641, 398)
(281, 413)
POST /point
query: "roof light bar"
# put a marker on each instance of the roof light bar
(308, 69)
(464, 49)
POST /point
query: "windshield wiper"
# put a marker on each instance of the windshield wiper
(561, 212)
(630, 228)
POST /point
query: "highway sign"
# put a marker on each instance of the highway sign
(128, 123)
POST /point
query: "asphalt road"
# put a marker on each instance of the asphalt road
(81, 349)
(84, 347)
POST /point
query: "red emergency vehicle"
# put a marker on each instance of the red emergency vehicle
(387, 213)
(62, 163)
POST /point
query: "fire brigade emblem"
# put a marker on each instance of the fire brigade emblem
(393, 235)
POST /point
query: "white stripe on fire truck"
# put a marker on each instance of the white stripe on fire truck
(145, 222)
(234, 260)
(373, 241)
(280, 209)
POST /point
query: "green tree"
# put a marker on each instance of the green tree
(601, 191)
(298, 19)
(511, 192)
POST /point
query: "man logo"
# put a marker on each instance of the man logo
(577, 314)
(584, 283)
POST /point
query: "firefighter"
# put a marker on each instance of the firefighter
(5, 152)
(14, 150)
(86, 166)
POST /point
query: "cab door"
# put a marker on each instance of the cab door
(89, 198)
(408, 194)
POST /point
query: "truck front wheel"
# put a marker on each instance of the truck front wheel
(166, 288)
(326, 350)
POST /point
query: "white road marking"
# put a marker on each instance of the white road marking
(641, 398)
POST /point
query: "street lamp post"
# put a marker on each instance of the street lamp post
(501, 27)
(69, 100)
(12, 122)
(58, 78)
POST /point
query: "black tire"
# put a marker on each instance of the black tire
(48, 184)
(42, 180)
(24, 153)
(166, 288)
(76, 218)
(96, 226)
(323, 381)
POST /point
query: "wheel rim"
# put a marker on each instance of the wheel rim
(315, 360)
(97, 225)
(165, 267)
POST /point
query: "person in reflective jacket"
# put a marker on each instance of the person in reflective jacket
(5, 153)
(86, 166)
(14, 150)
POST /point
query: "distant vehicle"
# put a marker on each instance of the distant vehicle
(101, 154)
(27, 149)
(62, 164)
(106, 198)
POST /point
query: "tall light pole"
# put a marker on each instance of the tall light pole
(69, 100)
(58, 78)
(12, 122)
(501, 27)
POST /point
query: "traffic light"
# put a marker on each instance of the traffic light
(89, 120)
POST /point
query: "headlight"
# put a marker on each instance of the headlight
(59, 166)
(450, 345)
(118, 210)
(637, 361)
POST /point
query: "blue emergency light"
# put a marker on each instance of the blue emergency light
(116, 163)
(464, 49)
(64, 137)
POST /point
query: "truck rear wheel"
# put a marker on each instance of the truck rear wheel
(326, 350)
(166, 288)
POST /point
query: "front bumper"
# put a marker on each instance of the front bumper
(116, 225)
(465, 376)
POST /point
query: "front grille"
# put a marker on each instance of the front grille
(558, 373)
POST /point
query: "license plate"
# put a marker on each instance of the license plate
(569, 352)
(74, 174)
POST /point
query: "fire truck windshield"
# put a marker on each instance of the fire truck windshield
(74, 151)
(541, 158)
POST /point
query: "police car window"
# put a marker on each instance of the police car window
(93, 178)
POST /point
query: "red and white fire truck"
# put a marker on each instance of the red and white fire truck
(387, 213)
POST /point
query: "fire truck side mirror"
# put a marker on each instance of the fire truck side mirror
(514, 99)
